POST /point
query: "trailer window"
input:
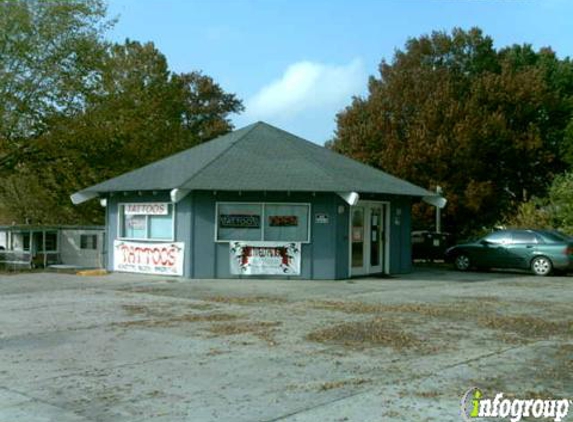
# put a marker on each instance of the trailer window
(88, 241)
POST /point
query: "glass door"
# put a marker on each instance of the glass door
(357, 243)
(376, 239)
(367, 242)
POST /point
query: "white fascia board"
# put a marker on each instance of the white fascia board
(81, 197)
(351, 198)
(178, 194)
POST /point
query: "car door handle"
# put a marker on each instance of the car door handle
(529, 246)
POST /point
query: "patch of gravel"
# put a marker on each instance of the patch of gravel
(376, 332)
(264, 330)
(246, 300)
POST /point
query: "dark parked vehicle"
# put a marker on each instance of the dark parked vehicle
(542, 251)
(429, 245)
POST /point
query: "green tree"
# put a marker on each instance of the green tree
(49, 51)
(130, 111)
(143, 113)
(552, 211)
(453, 111)
(560, 200)
(50, 55)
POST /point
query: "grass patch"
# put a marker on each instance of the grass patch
(347, 307)
(526, 326)
(163, 310)
(377, 332)
(265, 330)
(483, 311)
(331, 385)
(557, 367)
(428, 394)
(174, 320)
(449, 310)
(245, 300)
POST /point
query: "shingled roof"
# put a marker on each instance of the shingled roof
(258, 157)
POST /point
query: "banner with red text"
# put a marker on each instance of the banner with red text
(265, 258)
(148, 258)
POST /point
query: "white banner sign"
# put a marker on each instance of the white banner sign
(149, 258)
(151, 208)
(265, 258)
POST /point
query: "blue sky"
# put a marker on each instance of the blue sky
(295, 64)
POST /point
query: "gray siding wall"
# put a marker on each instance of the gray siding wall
(71, 252)
(400, 235)
(205, 258)
(210, 259)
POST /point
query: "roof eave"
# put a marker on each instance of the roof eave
(83, 196)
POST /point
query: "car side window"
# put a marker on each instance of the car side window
(498, 237)
(523, 237)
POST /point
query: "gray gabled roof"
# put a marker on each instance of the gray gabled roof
(259, 157)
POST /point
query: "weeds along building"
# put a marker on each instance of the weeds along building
(258, 202)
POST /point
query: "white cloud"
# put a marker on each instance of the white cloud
(307, 87)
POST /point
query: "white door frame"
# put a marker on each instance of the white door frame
(385, 258)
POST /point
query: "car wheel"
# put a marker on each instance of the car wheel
(541, 265)
(462, 262)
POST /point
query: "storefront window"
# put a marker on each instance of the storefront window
(160, 226)
(268, 222)
(239, 221)
(286, 222)
(146, 221)
(135, 226)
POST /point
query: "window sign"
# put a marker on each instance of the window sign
(239, 221)
(154, 208)
(263, 222)
(150, 258)
(265, 258)
(286, 222)
(283, 221)
(357, 234)
(146, 221)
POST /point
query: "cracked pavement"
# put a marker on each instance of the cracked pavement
(127, 347)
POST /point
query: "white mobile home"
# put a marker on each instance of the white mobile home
(42, 246)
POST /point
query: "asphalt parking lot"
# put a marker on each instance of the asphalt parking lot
(125, 347)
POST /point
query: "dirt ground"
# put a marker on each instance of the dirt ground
(124, 347)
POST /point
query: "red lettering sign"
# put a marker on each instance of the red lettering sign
(158, 258)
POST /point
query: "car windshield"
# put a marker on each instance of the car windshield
(500, 236)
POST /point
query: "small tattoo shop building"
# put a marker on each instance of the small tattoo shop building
(258, 202)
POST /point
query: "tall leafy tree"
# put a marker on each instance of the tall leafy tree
(50, 56)
(143, 112)
(49, 52)
(124, 109)
(487, 125)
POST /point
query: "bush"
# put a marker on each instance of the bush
(554, 212)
